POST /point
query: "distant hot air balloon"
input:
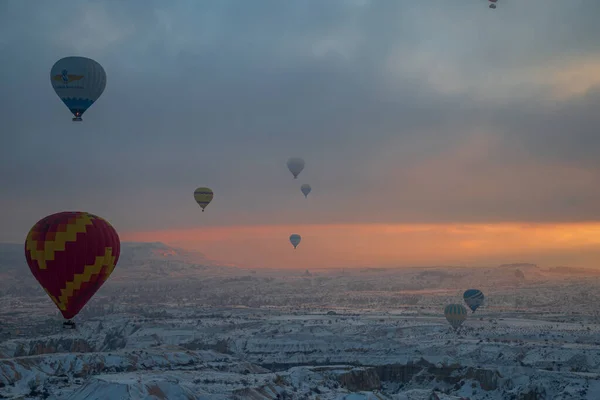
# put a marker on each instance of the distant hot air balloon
(474, 298)
(456, 314)
(295, 240)
(203, 196)
(305, 189)
(295, 165)
(72, 254)
(79, 82)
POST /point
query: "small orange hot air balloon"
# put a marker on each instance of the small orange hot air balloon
(72, 254)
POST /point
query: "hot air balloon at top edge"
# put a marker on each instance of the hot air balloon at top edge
(79, 82)
(456, 314)
(72, 254)
(295, 239)
(305, 189)
(203, 196)
(295, 165)
(474, 298)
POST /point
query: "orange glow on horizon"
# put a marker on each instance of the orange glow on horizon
(354, 245)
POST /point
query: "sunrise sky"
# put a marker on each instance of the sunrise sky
(434, 132)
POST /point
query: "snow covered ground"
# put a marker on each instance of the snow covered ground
(212, 332)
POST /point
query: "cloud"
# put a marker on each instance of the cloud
(404, 111)
(362, 245)
(571, 79)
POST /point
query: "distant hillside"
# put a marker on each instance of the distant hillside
(518, 265)
(132, 253)
(435, 274)
(140, 261)
(573, 271)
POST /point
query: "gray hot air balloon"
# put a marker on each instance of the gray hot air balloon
(295, 239)
(305, 189)
(79, 82)
(295, 165)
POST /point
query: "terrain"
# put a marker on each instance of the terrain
(171, 324)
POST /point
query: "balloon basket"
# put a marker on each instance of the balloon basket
(77, 119)
(69, 325)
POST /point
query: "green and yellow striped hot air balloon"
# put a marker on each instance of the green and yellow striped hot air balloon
(456, 314)
(203, 196)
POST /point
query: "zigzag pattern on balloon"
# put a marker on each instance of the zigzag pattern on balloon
(65, 233)
(104, 263)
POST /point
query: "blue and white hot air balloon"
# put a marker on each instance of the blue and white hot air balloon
(79, 82)
(474, 298)
(295, 239)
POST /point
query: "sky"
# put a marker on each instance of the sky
(433, 132)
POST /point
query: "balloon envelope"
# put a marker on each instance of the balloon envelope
(305, 189)
(456, 314)
(474, 298)
(295, 239)
(72, 254)
(79, 82)
(203, 196)
(295, 165)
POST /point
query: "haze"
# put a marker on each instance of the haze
(433, 132)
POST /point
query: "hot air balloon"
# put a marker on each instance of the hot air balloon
(456, 314)
(203, 196)
(79, 82)
(72, 254)
(295, 165)
(305, 189)
(474, 298)
(295, 240)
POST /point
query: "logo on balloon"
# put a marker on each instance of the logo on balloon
(67, 78)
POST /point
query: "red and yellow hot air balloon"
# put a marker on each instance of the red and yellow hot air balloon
(72, 254)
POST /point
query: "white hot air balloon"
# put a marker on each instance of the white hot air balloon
(295, 165)
(295, 239)
(79, 82)
(305, 189)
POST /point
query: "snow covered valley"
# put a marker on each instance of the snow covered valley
(226, 333)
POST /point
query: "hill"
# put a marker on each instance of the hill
(138, 261)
